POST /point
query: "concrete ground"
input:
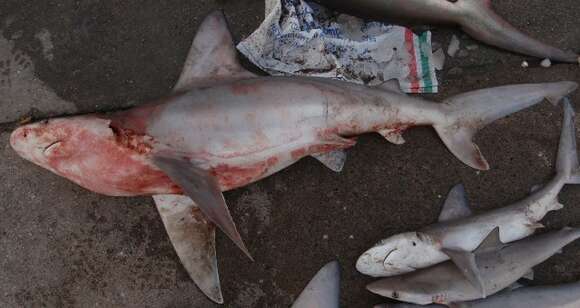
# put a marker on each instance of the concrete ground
(63, 246)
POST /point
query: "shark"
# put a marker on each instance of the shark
(459, 231)
(223, 127)
(496, 264)
(476, 17)
(545, 296)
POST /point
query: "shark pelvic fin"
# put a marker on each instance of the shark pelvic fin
(204, 190)
(193, 238)
(323, 291)
(465, 261)
(394, 136)
(456, 205)
(212, 56)
(334, 160)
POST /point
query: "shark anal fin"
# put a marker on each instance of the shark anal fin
(465, 261)
(334, 160)
(456, 205)
(212, 56)
(323, 291)
(193, 238)
(204, 190)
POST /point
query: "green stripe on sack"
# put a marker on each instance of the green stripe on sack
(425, 65)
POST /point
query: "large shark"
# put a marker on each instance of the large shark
(476, 17)
(224, 127)
(551, 296)
(458, 232)
(496, 265)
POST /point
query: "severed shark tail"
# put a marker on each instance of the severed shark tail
(466, 113)
(567, 167)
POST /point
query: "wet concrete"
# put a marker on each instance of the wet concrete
(62, 246)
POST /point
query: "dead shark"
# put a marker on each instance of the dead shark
(323, 291)
(458, 231)
(551, 296)
(476, 17)
(496, 265)
(224, 127)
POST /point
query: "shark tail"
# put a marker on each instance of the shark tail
(481, 22)
(466, 113)
(567, 166)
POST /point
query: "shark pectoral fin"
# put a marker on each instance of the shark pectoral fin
(323, 291)
(204, 190)
(465, 261)
(394, 136)
(193, 238)
(455, 205)
(334, 160)
(212, 56)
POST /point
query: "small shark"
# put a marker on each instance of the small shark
(476, 17)
(460, 232)
(323, 291)
(552, 296)
(495, 264)
(224, 127)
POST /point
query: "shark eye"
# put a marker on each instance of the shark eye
(395, 295)
(414, 244)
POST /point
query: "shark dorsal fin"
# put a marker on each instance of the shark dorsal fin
(212, 56)
(323, 291)
(491, 242)
(455, 205)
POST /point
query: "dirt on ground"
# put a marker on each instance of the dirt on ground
(63, 246)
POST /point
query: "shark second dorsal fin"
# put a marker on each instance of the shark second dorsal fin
(212, 56)
(323, 291)
(491, 242)
(455, 205)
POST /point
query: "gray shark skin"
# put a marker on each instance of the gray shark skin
(323, 291)
(498, 267)
(475, 17)
(223, 127)
(553, 296)
(458, 230)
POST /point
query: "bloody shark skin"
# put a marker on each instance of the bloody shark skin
(475, 17)
(224, 127)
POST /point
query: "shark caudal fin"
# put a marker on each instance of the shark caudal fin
(466, 113)
(481, 22)
(193, 238)
(567, 161)
(323, 291)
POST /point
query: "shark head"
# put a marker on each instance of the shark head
(91, 153)
(398, 254)
(400, 289)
